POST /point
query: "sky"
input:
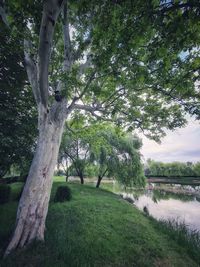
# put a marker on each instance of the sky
(181, 145)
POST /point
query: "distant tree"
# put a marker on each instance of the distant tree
(104, 160)
(107, 147)
(118, 156)
(75, 146)
(102, 151)
(196, 168)
(74, 150)
(156, 168)
(128, 169)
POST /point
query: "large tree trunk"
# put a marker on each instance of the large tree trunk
(33, 205)
(98, 181)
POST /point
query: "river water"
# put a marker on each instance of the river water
(169, 203)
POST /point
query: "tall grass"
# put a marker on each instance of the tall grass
(179, 231)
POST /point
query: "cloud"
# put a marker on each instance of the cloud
(180, 145)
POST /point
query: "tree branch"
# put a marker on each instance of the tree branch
(31, 70)
(51, 10)
(83, 67)
(115, 99)
(67, 41)
(113, 94)
(86, 108)
(67, 62)
(92, 110)
(76, 98)
(103, 174)
(3, 14)
(91, 78)
(86, 153)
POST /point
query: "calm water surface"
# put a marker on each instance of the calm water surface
(169, 205)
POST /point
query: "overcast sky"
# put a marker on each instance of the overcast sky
(181, 145)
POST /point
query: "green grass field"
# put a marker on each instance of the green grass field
(96, 228)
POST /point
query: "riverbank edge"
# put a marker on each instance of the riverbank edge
(135, 227)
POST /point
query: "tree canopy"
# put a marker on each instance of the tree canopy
(142, 72)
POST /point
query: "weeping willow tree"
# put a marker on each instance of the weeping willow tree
(112, 151)
(140, 73)
(117, 155)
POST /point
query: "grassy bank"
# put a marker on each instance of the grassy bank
(96, 228)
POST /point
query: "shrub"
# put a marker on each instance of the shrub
(4, 193)
(63, 193)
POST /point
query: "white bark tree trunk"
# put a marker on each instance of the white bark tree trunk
(33, 206)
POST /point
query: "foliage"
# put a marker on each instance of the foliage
(127, 168)
(4, 194)
(156, 168)
(91, 170)
(63, 193)
(96, 228)
(144, 69)
(17, 109)
(148, 74)
(196, 168)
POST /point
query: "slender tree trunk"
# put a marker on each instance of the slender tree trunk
(67, 175)
(33, 205)
(81, 178)
(98, 181)
(100, 177)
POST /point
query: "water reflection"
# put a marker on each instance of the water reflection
(189, 212)
(164, 204)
